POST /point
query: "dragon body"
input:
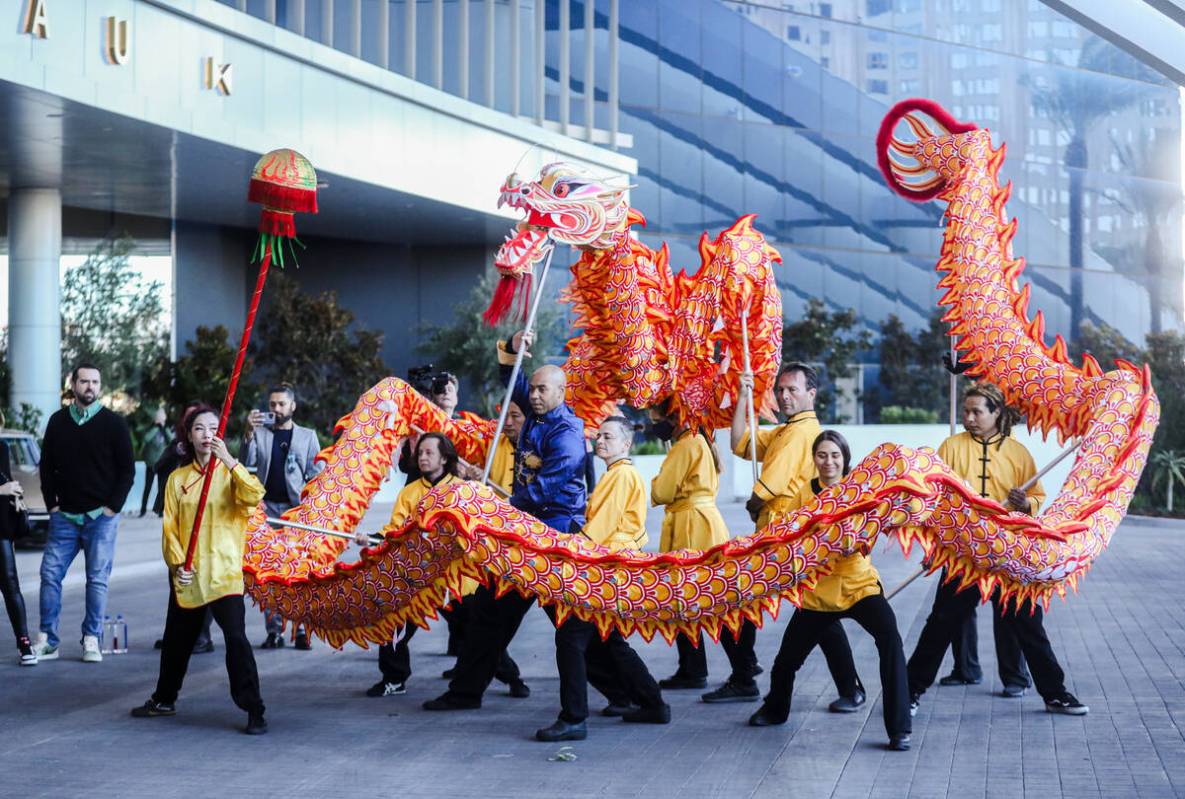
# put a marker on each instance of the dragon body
(908, 495)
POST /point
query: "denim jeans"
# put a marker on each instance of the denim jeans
(96, 540)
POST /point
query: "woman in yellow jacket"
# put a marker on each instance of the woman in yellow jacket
(216, 579)
(437, 462)
(687, 484)
(616, 519)
(852, 590)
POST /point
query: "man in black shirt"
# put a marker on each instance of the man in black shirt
(87, 469)
(284, 458)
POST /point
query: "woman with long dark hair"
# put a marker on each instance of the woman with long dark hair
(11, 494)
(215, 580)
(852, 590)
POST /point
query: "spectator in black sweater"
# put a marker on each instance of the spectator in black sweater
(86, 473)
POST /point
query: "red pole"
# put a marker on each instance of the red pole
(226, 403)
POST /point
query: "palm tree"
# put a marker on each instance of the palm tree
(1076, 103)
(1152, 201)
(1170, 466)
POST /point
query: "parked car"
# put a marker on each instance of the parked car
(24, 454)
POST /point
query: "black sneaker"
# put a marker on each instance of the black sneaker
(203, 647)
(302, 642)
(617, 711)
(677, 682)
(730, 692)
(1067, 705)
(446, 702)
(658, 714)
(519, 689)
(958, 679)
(1013, 691)
(847, 704)
(152, 708)
(913, 704)
(899, 743)
(273, 641)
(384, 688)
(256, 724)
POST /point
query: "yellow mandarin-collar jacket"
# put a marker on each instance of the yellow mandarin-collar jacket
(502, 470)
(852, 578)
(687, 484)
(993, 468)
(218, 557)
(617, 509)
(786, 463)
(405, 507)
(409, 498)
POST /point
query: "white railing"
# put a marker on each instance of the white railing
(411, 37)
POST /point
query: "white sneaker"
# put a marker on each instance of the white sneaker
(90, 649)
(43, 650)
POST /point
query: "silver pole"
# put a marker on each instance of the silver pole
(438, 43)
(590, 72)
(313, 529)
(385, 34)
(463, 48)
(613, 92)
(540, 59)
(515, 58)
(409, 38)
(327, 22)
(905, 583)
(296, 17)
(752, 413)
(489, 53)
(356, 29)
(954, 385)
(518, 365)
(565, 64)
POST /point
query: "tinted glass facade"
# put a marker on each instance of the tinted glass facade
(773, 109)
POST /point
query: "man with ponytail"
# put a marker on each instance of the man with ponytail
(996, 466)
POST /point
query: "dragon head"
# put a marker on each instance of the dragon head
(565, 205)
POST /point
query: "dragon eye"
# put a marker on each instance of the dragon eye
(561, 190)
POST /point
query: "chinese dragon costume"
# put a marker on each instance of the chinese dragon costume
(648, 336)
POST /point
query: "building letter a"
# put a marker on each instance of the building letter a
(37, 20)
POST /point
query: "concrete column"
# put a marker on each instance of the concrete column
(34, 315)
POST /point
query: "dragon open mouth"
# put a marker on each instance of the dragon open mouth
(519, 253)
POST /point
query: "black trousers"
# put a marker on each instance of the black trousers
(693, 660)
(1025, 626)
(182, 627)
(806, 630)
(150, 477)
(490, 629)
(1010, 660)
(575, 641)
(395, 660)
(10, 586)
(742, 656)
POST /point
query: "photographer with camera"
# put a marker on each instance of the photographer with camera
(283, 456)
(441, 390)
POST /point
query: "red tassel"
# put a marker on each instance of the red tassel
(282, 198)
(502, 301)
(277, 223)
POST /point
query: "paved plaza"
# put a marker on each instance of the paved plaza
(67, 731)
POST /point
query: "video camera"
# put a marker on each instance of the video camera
(426, 380)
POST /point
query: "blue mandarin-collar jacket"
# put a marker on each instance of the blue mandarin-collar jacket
(549, 463)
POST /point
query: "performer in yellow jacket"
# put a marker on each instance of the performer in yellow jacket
(616, 518)
(216, 579)
(437, 462)
(787, 464)
(996, 466)
(687, 484)
(852, 590)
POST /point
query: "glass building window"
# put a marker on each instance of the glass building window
(876, 86)
(825, 10)
(907, 61)
(992, 32)
(878, 60)
(793, 33)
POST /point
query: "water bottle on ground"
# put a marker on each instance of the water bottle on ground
(107, 634)
(119, 642)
